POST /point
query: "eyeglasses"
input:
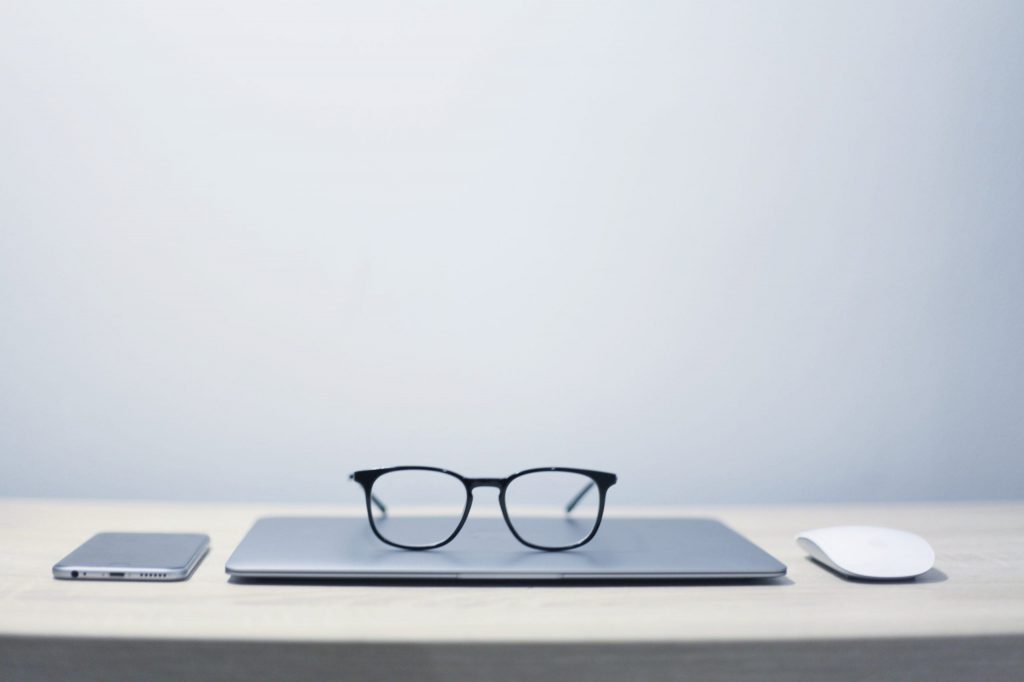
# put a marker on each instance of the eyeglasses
(400, 496)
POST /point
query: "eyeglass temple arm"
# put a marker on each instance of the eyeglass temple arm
(579, 496)
(373, 498)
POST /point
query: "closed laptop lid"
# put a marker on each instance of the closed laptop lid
(624, 548)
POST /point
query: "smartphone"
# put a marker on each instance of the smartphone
(134, 556)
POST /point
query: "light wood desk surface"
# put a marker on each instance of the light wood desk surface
(971, 604)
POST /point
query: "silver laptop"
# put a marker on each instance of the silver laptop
(624, 549)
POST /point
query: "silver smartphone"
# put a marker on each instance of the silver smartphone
(134, 556)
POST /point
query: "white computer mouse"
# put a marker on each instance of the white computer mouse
(868, 552)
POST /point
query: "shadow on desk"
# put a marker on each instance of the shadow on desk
(518, 582)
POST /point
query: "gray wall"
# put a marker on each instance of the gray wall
(757, 251)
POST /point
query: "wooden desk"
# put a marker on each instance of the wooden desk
(964, 621)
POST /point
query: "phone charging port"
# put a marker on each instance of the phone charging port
(117, 575)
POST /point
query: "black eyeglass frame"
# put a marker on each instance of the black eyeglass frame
(602, 480)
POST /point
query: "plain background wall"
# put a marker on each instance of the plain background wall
(756, 251)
